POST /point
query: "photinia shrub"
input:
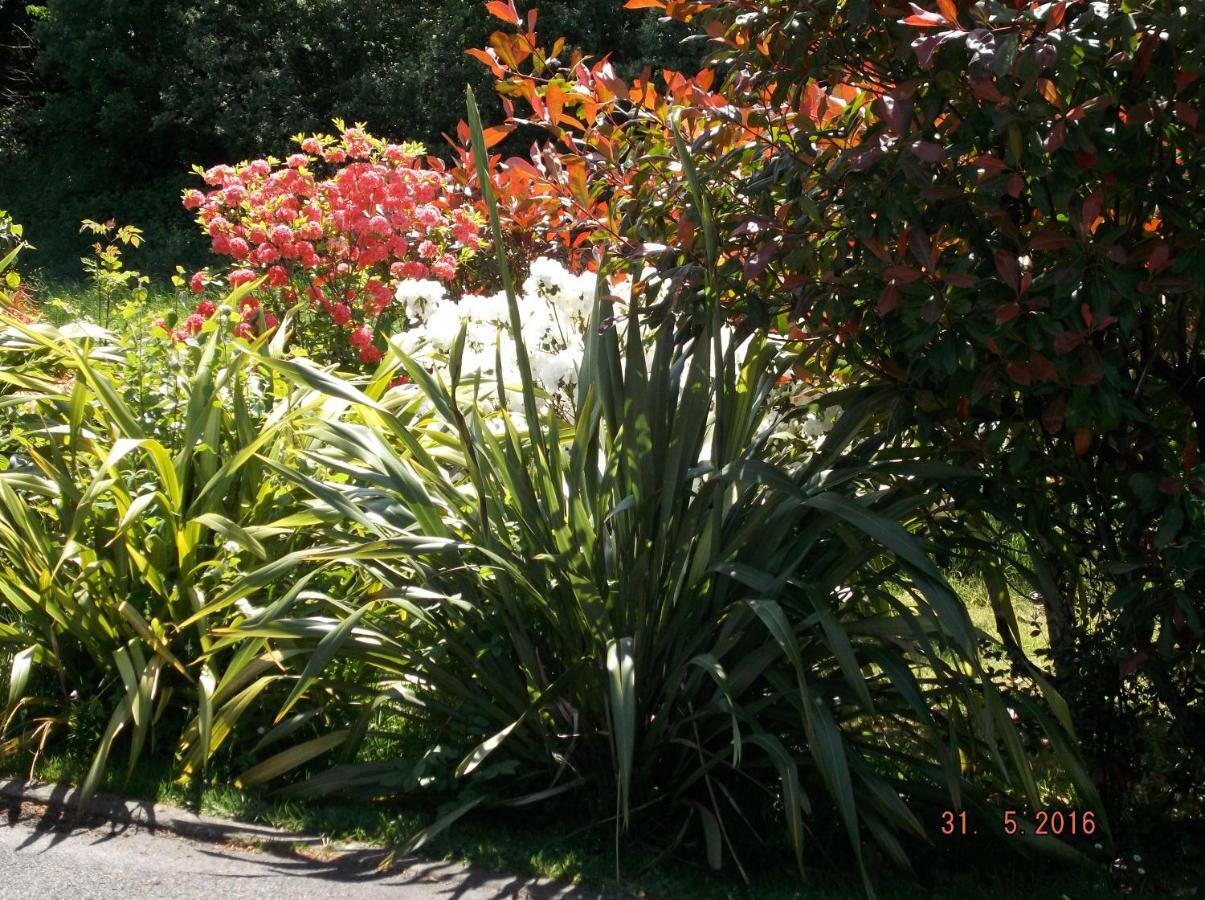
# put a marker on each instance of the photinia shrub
(332, 229)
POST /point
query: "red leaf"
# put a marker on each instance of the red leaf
(1018, 372)
(1006, 265)
(949, 11)
(504, 11)
(1016, 184)
(1066, 341)
(989, 163)
(1092, 205)
(925, 48)
(1007, 313)
(894, 111)
(496, 133)
(757, 263)
(1077, 112)
(490, 59)
(985, 89)
(957, 279)
(1160, 258)
(1042, 368)
(889, 299)
(923, 19)
(605, 73)
(1056, 15)
(927, 151)
(1085, 312)
(1085, 160)
(902, 274)
(1054, 415)
(1055, 139)
(963, 409)
(1188, 114)
(1050, 238)
(1143, 57)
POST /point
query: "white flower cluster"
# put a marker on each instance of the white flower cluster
(554, 309)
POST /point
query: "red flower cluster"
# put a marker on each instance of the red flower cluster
(343, 242)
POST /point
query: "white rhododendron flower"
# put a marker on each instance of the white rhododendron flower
(420, 297)
(554, 308)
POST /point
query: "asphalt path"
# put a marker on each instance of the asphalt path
(41, 856)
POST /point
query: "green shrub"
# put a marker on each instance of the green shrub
(654, 610)
(134, 481)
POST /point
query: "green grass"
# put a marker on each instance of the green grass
(1030, 616)
(67, 301)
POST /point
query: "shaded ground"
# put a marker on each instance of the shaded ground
(41, 855)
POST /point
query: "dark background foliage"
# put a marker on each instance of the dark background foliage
(105, 106)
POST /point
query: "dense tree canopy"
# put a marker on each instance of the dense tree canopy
(134, 92)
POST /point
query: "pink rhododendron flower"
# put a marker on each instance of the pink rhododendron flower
(218, 175)
(281, 234)
(197, 282)
(444, 268)
(352, 216)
